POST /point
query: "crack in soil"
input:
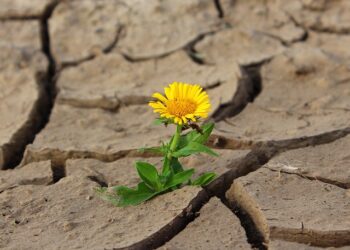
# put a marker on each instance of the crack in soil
(253, 161)
(188, 47)
(219, 8)
(40, 113)
(314, 178)
(315, 140)
(297, 24)
(174, 227)
(329, 30)
(317, 29)
(221, 142)
(254, 236)
(283, 42)
(105, 103)
(261, 153)
(258, 157)
(215, 141)
(21, 18)
(249, 87)
(191, 51)
(61, 156)
(106, 50)
(99, 179)
(58, 171)
(311, 237)
(337, 238)
(12, 152)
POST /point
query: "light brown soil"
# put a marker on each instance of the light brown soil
(75, 80)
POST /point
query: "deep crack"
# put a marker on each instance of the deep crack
(191, 51)
(58, 171)
(307, 141)
(219, 8)
(40, 113)
(99, 180)
(249, 87)
(12, 152)
(254, 236)
(174, 227)
(20, 18)
(250, 163)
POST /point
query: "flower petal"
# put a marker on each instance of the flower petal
(160, 97)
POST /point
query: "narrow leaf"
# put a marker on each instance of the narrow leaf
(206, 130)
(195, 136)
(157, 150)
(166, 166)
(204, 179)
(192, 148)
(179, 178)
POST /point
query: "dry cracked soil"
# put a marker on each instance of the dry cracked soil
(75, 80)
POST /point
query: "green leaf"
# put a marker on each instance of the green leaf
(121, 190)
(179, 178)
(206, 131)
(102, 193)
(195, 136)
(124, 196)
(169, 169)
(162, 150)
(204, 179)
(166, 166)
(161, 120)
(132, 197)
(192, 148)
(149, 174)
(173, 165)
(176, 165)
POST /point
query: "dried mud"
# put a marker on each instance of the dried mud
(75, 79)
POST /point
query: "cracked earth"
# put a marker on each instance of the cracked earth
(76, 77)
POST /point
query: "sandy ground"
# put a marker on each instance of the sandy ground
(75, 80)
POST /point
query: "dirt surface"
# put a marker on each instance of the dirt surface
(76, 77)
(96, 84)
(215, 228)
(291, 207)
(21, 90)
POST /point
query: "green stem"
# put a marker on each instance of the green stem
(174, 143)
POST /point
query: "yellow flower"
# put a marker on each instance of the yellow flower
(182, 102)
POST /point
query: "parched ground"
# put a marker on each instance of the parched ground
(75, 80)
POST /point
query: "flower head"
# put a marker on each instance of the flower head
(182, 102)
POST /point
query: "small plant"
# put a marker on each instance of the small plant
(183, 105)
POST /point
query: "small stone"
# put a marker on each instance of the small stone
(68, 226)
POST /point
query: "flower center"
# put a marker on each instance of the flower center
(181, 108)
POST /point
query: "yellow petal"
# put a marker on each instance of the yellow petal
(168, 93)
(159, 97)
(178, 120)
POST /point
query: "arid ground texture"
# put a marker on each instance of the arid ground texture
(75, 80)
